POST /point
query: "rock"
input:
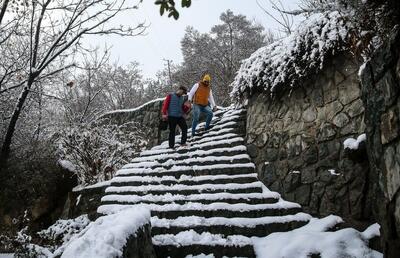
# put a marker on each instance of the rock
(308, 175)
(302, 195)
(292, 181)
(272, 154)
(397, 214)
(283, 110)
(140, 244)
(329, 111)
(339, 77)
(355, 108)
(340, 120)
(252, 150)
(261, 140)
(353, 127)
(356, 189)
(309, 115)
(389, 126)
(310, 155)
(330, 92)
(317, 97)
(389, 88)
(349, 91)
(326, 132)
(392, 167)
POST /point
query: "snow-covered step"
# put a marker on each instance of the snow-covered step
(261, 226)
(207, 160)
(205, 198)
(238, 126)
(187, 180)
(218, 135)
(160, 158)
(223, 130)
(192, 243)
(254, 187)
(178, 171)
(201, 146)
(217, 209)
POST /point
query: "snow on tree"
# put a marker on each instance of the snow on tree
(97, 149)
(284, 63)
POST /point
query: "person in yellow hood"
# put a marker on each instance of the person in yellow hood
(203, 101)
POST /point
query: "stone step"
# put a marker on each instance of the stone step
(202, 146)
(218, 251)
(220, 123)
(250, 198)
(216, 209)
(223, 134)
(260, 226)
(161, 158)
(219, 169)
(222, 209)
(226, 213)
(191, 243)
(207, 160)
(254, 187)
(186, 180)
(203, 135)
(238, 126)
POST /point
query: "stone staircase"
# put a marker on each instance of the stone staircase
(204, 198)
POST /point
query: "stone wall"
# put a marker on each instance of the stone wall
(147, 115)
(296, 141)
(84, 201)
(380, 80)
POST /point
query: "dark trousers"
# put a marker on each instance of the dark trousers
(173, 121)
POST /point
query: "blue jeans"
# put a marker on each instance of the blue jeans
(196, 114)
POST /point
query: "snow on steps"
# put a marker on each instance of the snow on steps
(205, 160)
(195, 170)
(187, 189)
(260, 226)
(234, 150)
(204, 198)
(187, 180)
(216, 209)
(191, 242)
(251, 198)
(201, 146)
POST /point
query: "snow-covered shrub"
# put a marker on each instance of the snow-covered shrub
(95, 151)
(50, 242)
(286, 62)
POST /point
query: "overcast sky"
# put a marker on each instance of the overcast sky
(162, 39)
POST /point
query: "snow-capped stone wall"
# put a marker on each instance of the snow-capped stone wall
(148, 115)
(297, 142)
(380, 80)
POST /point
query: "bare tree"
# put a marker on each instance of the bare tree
(283, 18)
(52, 35)
(219, 52)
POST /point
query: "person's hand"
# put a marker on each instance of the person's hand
(164, 117)
(215, 108)
(188, 105)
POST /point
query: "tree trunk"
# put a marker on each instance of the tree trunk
(3, 10)
(6, 148)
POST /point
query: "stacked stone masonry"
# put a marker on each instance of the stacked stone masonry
(380, 80)
(296, 141)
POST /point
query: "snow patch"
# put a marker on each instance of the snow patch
(313, 239)
(352, 143)
(68, 165)
(107, 236)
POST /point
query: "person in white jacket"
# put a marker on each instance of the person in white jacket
(203, 101)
